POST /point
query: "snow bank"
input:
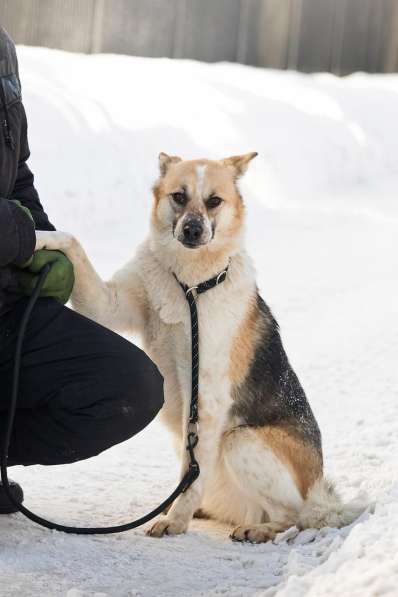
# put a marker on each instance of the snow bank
(323, 222)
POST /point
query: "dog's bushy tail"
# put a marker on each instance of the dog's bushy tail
(323, 507)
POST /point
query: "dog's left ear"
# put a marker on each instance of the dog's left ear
(166, 160)
(239, 163)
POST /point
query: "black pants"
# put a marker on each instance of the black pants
(82, 387)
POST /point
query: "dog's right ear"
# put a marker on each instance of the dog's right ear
(166, 160)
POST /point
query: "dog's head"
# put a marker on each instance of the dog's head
(197, 203)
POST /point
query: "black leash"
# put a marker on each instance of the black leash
(190, 295)
(192, 437)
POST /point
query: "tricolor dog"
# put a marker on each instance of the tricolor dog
(259, 444)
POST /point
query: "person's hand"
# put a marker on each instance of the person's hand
(59, 281)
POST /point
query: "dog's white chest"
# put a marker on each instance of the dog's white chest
(169, 345)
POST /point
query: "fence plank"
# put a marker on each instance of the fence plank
(266, 35)
(354, 52)
(378, 12)
(209, 30)
(296, 10)
(316, 35)
(389, 50)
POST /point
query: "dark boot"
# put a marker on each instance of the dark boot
(6, 507)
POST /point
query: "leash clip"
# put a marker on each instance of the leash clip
(193, 467)
(193, 439)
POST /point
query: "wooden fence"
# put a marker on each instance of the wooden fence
(340, 36)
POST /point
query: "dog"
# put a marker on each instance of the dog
(259, 446)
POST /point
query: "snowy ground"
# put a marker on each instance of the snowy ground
(323, 223)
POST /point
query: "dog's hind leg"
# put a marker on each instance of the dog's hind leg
(274, 471)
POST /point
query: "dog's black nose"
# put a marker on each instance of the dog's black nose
(193, 230)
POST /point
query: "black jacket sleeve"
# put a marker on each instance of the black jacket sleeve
(17, 234)
(24, 189)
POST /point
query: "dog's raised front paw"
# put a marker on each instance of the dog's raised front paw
(165, 526)
(257, 533)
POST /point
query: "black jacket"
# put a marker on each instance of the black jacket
(17, 235)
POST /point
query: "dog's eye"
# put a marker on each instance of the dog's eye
(213, 202)
(179, 198)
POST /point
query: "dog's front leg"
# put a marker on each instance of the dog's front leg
(181, 512)
(119, 304)
(91, 296)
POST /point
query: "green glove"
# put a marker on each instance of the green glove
(60, 279)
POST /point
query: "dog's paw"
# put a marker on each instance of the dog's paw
(257, 533)
(54, 240)
(165, 526)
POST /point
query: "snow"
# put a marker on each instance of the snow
(322, 229)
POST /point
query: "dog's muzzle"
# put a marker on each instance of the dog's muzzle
(192, 232)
